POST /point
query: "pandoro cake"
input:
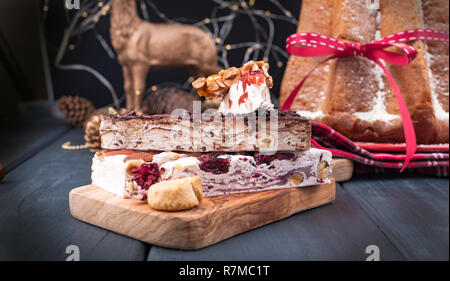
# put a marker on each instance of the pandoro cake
(352, 94)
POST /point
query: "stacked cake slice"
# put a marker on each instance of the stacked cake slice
(228, 150)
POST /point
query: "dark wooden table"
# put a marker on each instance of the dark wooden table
(405, 216)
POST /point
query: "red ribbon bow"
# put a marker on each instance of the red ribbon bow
(312, 44)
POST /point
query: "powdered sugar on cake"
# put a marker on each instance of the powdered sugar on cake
(311, 114)
(379, 111)
(439, 111)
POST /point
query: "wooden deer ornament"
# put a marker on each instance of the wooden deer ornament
(141, 45)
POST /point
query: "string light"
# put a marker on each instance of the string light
(219, 24)
(105, 10)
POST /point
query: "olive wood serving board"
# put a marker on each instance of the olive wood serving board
(342, 169)
(215, 219)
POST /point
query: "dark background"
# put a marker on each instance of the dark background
(25, 25)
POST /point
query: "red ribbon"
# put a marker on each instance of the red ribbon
(312, 44)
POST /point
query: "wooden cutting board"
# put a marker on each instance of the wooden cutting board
(342, 169)
(215, 219)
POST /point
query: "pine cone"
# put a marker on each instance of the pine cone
(75, 109)
(167, 99)
(92, 127)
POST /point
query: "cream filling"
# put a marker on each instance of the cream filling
(258, 98)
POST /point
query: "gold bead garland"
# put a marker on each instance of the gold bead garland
(67, 145)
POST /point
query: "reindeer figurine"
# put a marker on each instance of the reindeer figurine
(142, 45)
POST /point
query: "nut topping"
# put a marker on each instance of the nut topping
(132, 164)
(218, 84)
(323, 170)
(199, 83)
(296, 179)
(173, 155)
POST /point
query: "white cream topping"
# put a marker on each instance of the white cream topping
(258, 97)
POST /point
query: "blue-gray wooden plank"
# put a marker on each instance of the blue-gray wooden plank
(25, 135)
(337, 231)
(412, 211)
(35, 220)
